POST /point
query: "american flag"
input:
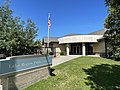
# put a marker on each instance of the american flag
(49, 23)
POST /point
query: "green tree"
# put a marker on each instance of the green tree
(16, 37)
(112, 24)
(5, 19)
(30, 34)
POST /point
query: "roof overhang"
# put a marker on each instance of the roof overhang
(79, 39)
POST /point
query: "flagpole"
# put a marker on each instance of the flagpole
(48, 38)
(48, 32)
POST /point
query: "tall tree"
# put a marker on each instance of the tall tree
(112, 24)
(5, 19)
(16, 37)
(30, 34)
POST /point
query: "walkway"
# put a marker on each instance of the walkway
(62, 59)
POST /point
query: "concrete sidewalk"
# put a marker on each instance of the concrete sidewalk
(62, 59)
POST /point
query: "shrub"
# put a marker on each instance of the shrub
(62, 53)
(117, 54)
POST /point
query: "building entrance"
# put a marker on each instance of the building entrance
(76, 49)
(89, 49)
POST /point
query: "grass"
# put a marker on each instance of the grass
(84, 73)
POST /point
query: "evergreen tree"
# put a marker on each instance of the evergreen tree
(5, 20)
(16, 37)
(30, 34)
(112, 24)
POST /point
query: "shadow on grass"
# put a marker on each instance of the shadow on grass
(103, 77)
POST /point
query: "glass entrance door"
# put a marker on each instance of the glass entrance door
(89, 49)
(76, 50)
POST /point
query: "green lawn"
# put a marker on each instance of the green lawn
(84, 73)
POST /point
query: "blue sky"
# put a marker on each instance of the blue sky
(67, 16)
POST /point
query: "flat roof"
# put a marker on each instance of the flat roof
(56, 39)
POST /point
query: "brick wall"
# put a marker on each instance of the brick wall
(18, 81)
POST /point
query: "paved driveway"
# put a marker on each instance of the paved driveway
(62, 59)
